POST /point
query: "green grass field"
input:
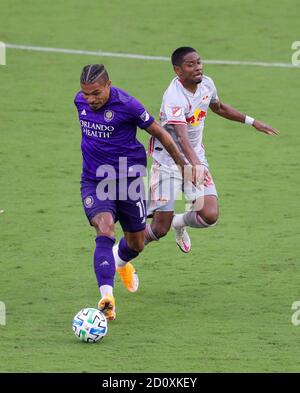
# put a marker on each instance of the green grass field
(225, 307)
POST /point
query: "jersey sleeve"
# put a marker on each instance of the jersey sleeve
(140, 116)
(214, 97)
(77, 99)
(173, 108)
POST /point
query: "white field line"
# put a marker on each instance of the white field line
(143, 57)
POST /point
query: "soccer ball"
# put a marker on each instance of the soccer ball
(89, 325)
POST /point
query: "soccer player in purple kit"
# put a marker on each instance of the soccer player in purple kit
(109, 118)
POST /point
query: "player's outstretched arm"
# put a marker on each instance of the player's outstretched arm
(262, 127)
(231, 113)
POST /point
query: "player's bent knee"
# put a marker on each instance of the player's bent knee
(211, 217)
(213, 221)
(104, 225)
(137, 246)
(140, 247)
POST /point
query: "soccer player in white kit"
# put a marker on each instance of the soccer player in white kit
(183, 112)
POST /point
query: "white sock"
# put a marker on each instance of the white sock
(149, 235)
(178, 221)
(106, 290)
(192, 219)
(118, 261)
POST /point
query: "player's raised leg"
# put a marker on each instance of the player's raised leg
(205, 218)
(104, 264)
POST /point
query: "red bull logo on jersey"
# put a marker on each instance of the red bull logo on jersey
(197, 117)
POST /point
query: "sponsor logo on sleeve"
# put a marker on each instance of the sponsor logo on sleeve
(89, 201)
(145, 116)
(176, 111)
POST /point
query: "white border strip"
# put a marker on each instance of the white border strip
(2, 53)
(143, 57)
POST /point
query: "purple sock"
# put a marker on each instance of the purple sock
(126, 253)
(104, 263)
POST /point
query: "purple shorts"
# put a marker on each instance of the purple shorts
(123, 198)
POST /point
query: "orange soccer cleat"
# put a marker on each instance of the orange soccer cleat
(129, 277)
(108, 306)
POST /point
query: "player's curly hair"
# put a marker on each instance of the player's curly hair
(91, 73)
(179, 53)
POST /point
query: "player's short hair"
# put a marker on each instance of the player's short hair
(179, 53)
(91, 73)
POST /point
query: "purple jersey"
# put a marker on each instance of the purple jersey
(110, 133)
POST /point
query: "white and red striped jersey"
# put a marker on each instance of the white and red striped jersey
(180, 106)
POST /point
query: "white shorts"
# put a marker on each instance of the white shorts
(166, 186)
